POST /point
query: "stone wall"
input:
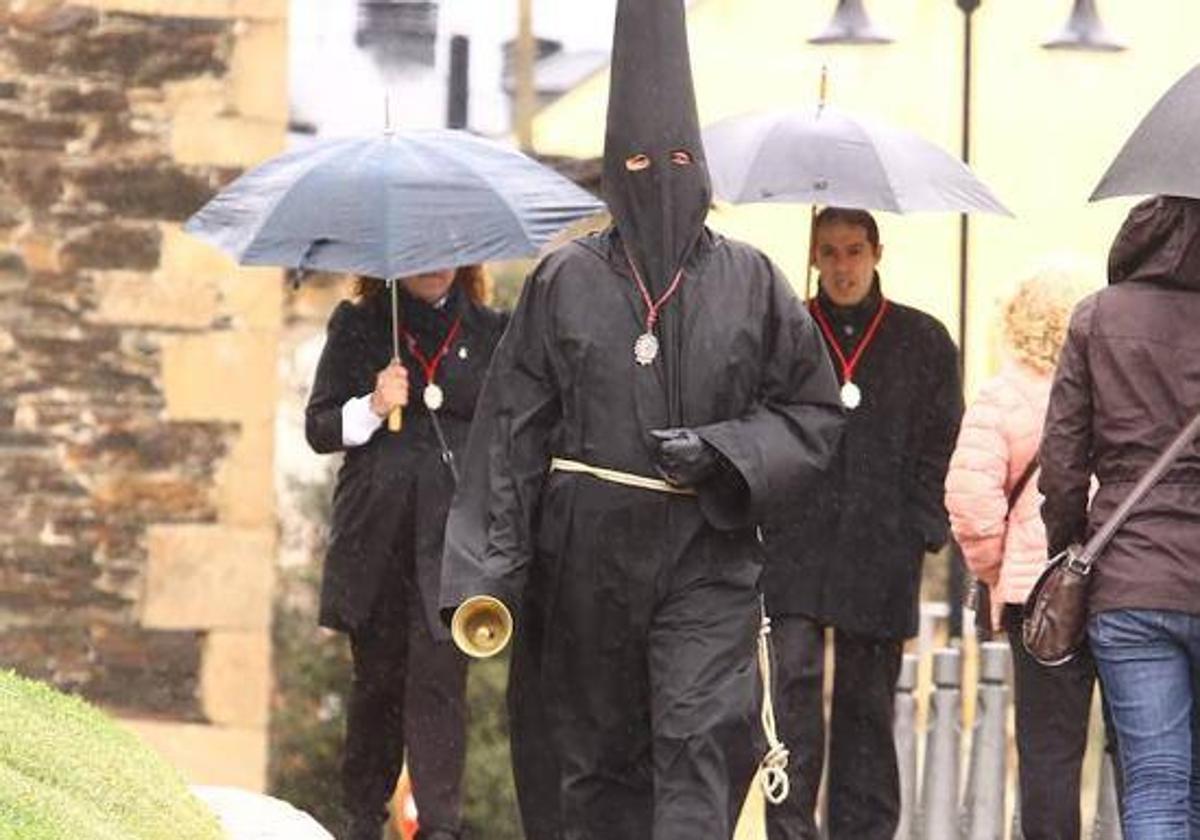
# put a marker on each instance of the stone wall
(138, 367)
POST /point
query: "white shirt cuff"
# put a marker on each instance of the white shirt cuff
(359, 422)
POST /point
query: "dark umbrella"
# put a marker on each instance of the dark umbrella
(1162, 156)
(391, 205)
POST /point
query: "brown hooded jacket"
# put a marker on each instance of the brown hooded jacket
(1127, 381)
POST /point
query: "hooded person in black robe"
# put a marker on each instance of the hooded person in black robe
(610, 497)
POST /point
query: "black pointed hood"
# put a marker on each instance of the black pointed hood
(660, 209)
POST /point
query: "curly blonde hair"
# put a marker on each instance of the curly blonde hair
(1035, 319)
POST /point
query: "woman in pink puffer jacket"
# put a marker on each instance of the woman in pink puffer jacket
(1006, 549)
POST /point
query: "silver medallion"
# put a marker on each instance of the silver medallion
(462, 352)
(645, 349)
(433, 397)
(851, 396)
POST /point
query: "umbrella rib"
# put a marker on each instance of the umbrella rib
(866, 129)
(469, 166)
(777, 125)
(269, 215)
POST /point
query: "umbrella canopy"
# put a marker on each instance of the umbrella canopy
(832, 158)
(1162, 156)
(391, 205)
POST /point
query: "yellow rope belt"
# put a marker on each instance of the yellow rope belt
(618, 477)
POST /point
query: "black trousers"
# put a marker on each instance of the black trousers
(864, 780)
(1052, 710)
(407, 696)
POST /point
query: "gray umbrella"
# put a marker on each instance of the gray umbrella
(829, 157)
(391, 205)
(1162, 156)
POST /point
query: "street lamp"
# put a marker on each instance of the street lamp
(850, 25)
(1084, 31)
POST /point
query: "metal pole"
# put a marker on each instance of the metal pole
(939, 786)
(905, 733)
(984, 808)
(525, 103)
(968, 8)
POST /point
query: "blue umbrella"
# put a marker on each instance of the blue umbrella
(391, 205)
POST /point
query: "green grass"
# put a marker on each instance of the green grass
(68, 771)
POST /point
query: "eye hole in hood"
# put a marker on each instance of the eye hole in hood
(655, 180)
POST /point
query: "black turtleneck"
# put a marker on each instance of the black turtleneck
(850, 322)
(428, 323)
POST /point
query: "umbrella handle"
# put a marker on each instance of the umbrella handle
(395, 419)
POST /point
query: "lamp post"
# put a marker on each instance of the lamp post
(956, 583)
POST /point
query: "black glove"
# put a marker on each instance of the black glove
(683, 457)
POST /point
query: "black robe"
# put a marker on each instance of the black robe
(851, 556)
(392, 476)
(642, 606)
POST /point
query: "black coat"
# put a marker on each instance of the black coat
(394, 481)
(636, 611)
(742, 366)
(851, 554)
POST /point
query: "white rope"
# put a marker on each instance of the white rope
(772, 770)
(617, 477)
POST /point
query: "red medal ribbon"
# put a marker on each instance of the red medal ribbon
(430, 365)
(653, 307)
(848, 365)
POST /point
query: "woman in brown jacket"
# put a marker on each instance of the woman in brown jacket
(1127, 381)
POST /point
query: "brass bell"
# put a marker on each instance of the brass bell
(481, 626)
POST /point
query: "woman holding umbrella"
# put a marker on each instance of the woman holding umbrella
(423, 351)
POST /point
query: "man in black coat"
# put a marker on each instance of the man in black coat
(383, 567)
(658, 388)
(850, 556)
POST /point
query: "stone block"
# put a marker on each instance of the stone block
(85, 98)
(36, 179)
(134, 297)
(221, 376)
(147, 51)
(208, 577)
(245, 479)
(21, 132)
(255, 91)
(113, 245)
(153, 497)
(40, 253)
(222, 9)
(208, 755)
(249, 297)
(235, 680)
(47, 17)
(148, 190)
(225, 141)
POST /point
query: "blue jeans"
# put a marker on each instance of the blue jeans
(1149, 664)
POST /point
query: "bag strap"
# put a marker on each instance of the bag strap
(1100, 540)
(1014, 495)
